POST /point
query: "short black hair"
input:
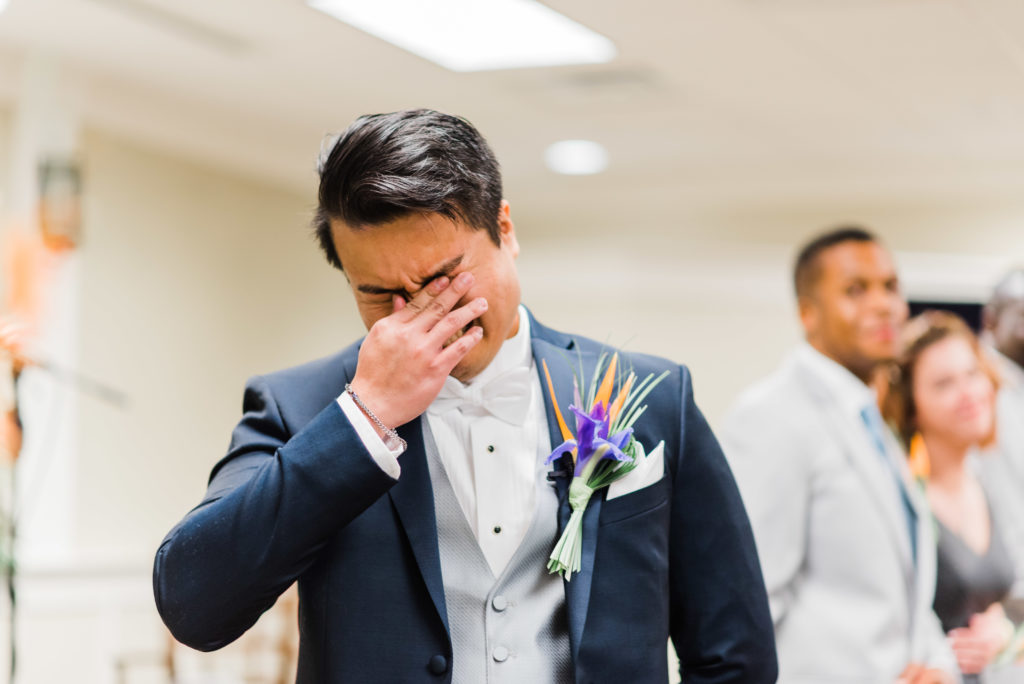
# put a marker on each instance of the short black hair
(385, 166)
(807, 268)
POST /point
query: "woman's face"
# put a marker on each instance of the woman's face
(954, 397)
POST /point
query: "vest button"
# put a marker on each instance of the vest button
(499, 603)
(438, 665)
(500, 654)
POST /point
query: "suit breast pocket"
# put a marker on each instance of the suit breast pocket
(637, 503)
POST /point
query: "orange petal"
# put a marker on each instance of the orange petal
(920, 465)
(604, 391)
(620, 400)
(566, 434)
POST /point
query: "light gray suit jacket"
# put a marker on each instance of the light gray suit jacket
(848, 601)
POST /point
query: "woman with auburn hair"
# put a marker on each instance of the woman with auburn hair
(943, 404)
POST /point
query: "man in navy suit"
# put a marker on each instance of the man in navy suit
(402, 482)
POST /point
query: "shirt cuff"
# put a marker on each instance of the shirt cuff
(382, 456)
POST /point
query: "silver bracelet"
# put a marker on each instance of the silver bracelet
(393, 441)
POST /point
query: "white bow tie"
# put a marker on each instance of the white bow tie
(506, 396)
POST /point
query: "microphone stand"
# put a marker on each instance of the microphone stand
(83, 384)
(9, 527)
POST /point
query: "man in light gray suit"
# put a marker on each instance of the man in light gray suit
(844, 536)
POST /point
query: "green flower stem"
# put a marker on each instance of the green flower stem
(580, 492)
(567, 556)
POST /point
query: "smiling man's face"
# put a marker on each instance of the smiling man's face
(400, 257)
(855, 310)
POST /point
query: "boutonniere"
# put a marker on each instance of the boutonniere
(603, 448)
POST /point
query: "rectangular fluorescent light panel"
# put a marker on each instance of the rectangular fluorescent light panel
(475, 35)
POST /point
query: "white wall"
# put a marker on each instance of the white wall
(710, 286)
(191, 282)
(5, 127)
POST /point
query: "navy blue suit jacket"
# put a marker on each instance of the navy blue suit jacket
(298, 497)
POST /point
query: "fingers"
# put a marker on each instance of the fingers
(433, 303)
(456, 320)
(443, 303)
(923, 675)
(910, 674)
(423, 299)
(454, 352)
(972, 653)
(13, 338)
(12, 333)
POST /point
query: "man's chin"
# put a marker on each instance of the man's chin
(884, 356)
(467, 369)
(473, 363)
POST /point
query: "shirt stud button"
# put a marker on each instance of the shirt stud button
(438, 665)
(490, 448)
(497, 529)
(500, 654)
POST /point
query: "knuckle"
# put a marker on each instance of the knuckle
(451, 320)
(424, 354)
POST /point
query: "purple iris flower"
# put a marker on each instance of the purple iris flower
(592, 438)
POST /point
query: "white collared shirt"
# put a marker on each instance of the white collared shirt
(491, 465)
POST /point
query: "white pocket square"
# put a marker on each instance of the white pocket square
(648, 471)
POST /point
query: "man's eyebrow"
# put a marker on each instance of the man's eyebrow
(445, 270)
(378, 290)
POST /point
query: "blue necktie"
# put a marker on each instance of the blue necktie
(873, 422)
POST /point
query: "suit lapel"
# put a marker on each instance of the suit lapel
(557, 350)
(865, 459)
(862, 454)
(413, 499)
(413, 496)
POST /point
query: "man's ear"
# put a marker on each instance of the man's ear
(507, 229)
(988, 318)
(810, 315)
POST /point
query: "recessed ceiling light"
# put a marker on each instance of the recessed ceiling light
(474, 35)
(576, 157)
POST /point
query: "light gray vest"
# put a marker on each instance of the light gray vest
(507, 630)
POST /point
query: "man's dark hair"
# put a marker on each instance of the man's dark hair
(807, 269)
(386, 166)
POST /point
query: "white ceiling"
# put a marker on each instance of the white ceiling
(708, 100)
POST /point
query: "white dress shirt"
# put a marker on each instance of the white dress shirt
(492, 465)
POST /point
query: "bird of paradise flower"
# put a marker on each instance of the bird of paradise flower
(603, 448)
